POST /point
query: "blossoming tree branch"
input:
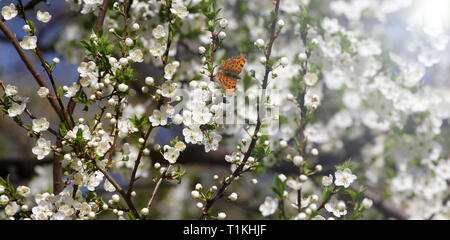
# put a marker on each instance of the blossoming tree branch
(209, 109)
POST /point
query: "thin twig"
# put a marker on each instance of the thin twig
(158, 184)
(238, 171)
(12, 38)
(120, 190)
(301, 126)
(99, 25)
(101, 15)
(48, 71)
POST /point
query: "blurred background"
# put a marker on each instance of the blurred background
(394, 23)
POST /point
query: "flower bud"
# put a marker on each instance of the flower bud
(135, 27)
(223, 23)
(195, 194)
(123, 87)
(259, 43)
(222, 35)
(129, 41)
(144, 211)
(284, 61)
(233, 196)
(367, 203)
(280, 23)
(302, 57)
(221, 216)
(201, 50)
(297, 160)
(115, 198)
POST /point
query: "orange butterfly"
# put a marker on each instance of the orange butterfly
(228, 73)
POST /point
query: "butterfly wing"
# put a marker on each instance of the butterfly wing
(229, 71)
(238, 63)
(234, 64)
(227, 82)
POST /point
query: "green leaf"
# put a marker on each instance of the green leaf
(278, 186)
(4, 183)
(59, 92)
(91, 196)
(139, 122)
(63, 129)
(351, 193)
(31, 24)
(79, 135)
(48, 65)
(179, 174)
(131, 216)
(356, 215)
(174, 141)
(248, 81)
(345, 165)
(326, 193)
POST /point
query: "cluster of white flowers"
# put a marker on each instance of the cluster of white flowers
(178, 8)
(197, 115)
(19, 103)
(171, 153)
(381, 101)
(63, 207)
(384, 94)
(337, 207)
(88, 5)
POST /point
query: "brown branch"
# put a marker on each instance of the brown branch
(147, 135)
(58, 184)
(114, 130)
(12, 38)
(281, 209)
(238, 170)
(160, 102)
(165, 57)
(100, 20)
(119, 189)
(101, 15)
(28, 112)
(301, 126)
(138, 161)
(48, 71)
(158, 184)
(140, 154)
(324, 201)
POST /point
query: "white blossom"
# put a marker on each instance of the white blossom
(179, 9)
(11, 90)
(42, 148)
(344, 178)
(28, 42)
(16, 109)
(40, 125)
(269, 206)
(43, 16)
(9, 11)
(159, 32)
